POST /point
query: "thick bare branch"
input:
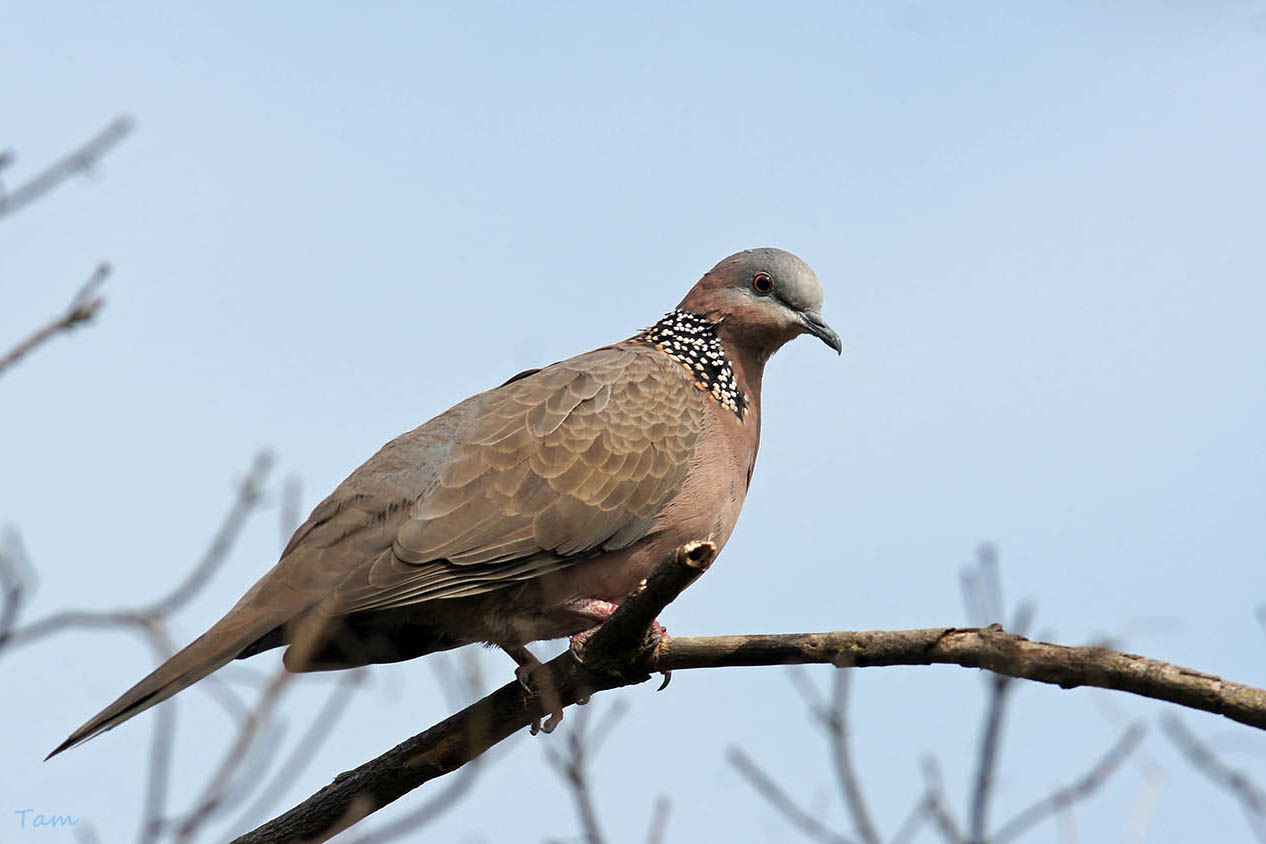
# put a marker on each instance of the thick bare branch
(453, 742)
(991, 648)
(448, 745)
(619, 653)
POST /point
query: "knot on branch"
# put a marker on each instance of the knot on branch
(624, 647)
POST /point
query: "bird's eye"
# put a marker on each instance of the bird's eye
(763, 284)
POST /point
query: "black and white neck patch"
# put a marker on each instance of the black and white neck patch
(692, 341)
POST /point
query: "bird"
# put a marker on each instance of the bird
(529, 511)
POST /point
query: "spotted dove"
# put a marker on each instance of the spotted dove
(527, 511)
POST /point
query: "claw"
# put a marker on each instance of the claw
(528, 670)
(668, 678)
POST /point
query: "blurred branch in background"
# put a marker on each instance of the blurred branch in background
(982, 593)
(1252, 798)
(582, 744)
(833, 720)
(1079, 790)
(82, 308)
(768, 788)
(982, 596)
(17, 580)
(938, 811)
(151, 622)
(86, 303)
(77, 162)
(152, 616)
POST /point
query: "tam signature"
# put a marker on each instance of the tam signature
(31, 819)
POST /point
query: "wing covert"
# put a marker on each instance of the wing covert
(551, 469)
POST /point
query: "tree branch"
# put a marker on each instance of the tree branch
(780, 800)
(460, 738)
(619, 653)
(991, 648)
(1064, 797)
(78, 161)
(82, 308)
(1236, 783)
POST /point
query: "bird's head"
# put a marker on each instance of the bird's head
(762, 298)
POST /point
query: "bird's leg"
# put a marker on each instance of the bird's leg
(535, 678)
(600, 611)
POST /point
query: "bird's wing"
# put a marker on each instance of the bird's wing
(547, 470)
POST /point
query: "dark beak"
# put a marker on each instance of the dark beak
(816, 326)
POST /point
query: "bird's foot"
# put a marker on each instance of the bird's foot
(600, 611)
(657, 632)
(536, 681)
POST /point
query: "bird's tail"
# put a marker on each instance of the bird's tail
(207, 653)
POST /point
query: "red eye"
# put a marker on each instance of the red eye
(763, 284)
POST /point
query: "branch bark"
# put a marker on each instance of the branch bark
(622, 653)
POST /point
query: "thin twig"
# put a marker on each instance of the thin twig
(290, 512)
(141, 618)
(82, 308)
(78, 161)
(938, 811)
(470, 684)
(659, 821)
(835, 721)
(249, 492)
(987, 758)
(217, 787)
(1079, 790)
(16, 580)
(767, 788)
(158, 772)
(305, 747)
(1251, 799)
(430, 809)
(1000, 688)
(913, 822)
(574, 766)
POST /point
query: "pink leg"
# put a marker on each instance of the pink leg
(600, 611)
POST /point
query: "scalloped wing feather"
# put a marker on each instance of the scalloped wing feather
(548, 470)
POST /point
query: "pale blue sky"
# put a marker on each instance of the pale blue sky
(1040, 232)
